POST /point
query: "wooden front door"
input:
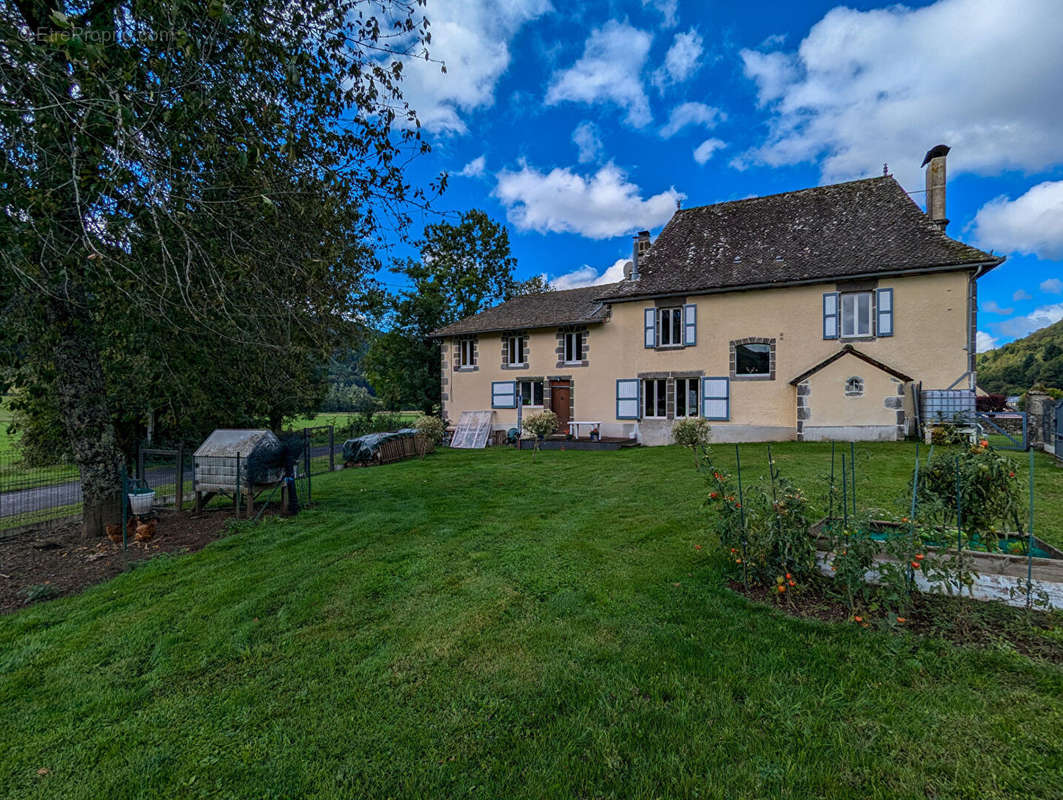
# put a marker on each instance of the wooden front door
(560, 399)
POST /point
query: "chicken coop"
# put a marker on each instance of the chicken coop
(240, 464)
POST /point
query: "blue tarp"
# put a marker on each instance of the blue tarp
(364, 448)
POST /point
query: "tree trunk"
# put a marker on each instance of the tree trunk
(82, 396)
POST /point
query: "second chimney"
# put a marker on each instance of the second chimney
(935, 184)
(640, 248)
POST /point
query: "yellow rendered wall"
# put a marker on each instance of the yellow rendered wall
(930, 334)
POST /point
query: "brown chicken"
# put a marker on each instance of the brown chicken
(145, 531)
(114, 533)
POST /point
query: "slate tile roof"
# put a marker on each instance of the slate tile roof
(546, 310)
(843, 230)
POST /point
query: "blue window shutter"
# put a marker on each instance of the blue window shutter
(649, 317)
(628, 398)
(690, 325)
(716, 398)
(884, 304)
(503, 394)
(830, 315)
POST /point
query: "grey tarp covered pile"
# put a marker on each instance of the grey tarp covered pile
(365, 448)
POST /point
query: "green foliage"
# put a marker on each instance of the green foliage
(1024, 363)
(432, 428)
(38, 592)
(979, 481)
(188, 207)
(692, 432)
(463, 268)
(852, 555)
(540, 425)
(765, 532)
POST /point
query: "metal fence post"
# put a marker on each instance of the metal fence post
(306, 461)
(125, 500)
(331, 448)
(236, 494)
(140, 461)
(180, 483)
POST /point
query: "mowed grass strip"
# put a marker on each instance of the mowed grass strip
(488, 625)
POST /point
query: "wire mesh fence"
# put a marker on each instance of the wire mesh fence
(319, 446)
(32, 495)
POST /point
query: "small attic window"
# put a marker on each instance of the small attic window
(854, 387)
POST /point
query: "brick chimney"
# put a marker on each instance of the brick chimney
(935, 184)
(640, 247)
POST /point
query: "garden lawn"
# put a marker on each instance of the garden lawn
(343, 419)
(7, 440)
(482, 624)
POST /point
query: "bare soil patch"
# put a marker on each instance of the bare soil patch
(42, 565)
(977, 623)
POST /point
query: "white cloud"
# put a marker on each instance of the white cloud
(866, 87)
(475, 168)
(669, 10)
(472, 38)
(682, 59)
(1052, 286)
(1038, 318)
(983, 342)
(993, 307)
(587, 141)
(610, 70)
(703, 152)
(597, 206)
(589, 276)
(1032, 223)
(1021, 294)
(691, 114)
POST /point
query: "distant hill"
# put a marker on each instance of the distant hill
(1018, 365)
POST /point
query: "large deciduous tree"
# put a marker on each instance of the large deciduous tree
(463, 268)
(191, 188)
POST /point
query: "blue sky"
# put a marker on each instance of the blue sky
(579, 129)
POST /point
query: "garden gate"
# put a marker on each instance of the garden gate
(1008, 430)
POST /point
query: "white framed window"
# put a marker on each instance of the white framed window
(856, 314)
(516, 351)
(531, 393)
(686, 397)
(670, 326)
(467, 351)
(573, 348)
(655, 398)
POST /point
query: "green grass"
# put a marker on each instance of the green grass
(7, 440)
(341, 419)
(479, 624)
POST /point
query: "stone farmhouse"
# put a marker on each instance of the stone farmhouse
(813, 314)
